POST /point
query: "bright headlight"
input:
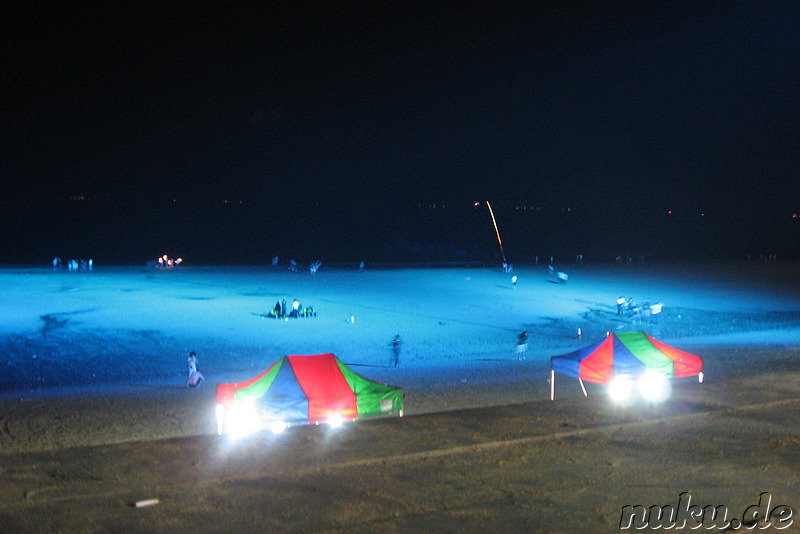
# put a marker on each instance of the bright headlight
(654, 386)
(620, 388)
(277, 427)
(335, 421)
(220, 419)
(242, 420)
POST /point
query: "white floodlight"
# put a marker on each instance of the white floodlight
(278, 426)
(220, 419)
(654, 386)
(620, 388)
(335, 421)
(242, 420)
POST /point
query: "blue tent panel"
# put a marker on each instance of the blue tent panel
(570, 364)
(625, 363)
(285, 399)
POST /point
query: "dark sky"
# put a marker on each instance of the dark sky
(685, 105)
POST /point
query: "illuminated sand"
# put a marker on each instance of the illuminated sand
(100, 417)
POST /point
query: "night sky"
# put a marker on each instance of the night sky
(128, 130)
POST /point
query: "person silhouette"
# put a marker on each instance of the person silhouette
(395, 344)
(195, 377)
(522, 345)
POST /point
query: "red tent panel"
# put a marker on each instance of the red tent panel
(597, 367)
(227, 392)
(685, 364)
(323, 383)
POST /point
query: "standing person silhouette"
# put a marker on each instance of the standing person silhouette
(195, 377)
(396, 342)
(522, 345)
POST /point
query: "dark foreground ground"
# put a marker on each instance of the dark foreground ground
(564, 466)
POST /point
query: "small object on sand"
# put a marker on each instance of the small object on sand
(145, 503)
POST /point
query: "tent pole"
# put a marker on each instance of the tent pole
(583, 387)
(552, 383)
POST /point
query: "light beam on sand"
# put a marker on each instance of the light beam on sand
(496, 231)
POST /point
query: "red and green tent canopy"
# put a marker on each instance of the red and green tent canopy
(627, 353)
(312, 389)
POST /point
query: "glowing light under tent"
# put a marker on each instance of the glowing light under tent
(303, 390)
(628, 363)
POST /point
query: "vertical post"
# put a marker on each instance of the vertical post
(552, 384)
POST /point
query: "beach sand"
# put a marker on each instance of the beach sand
(95, 414)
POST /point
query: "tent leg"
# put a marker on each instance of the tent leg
(552, 384)
(583, 388)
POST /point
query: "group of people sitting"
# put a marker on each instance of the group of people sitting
(639, 312)
(280, 310)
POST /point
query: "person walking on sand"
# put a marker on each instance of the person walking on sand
(522, 345)
(196, 378)
(514, 281)
(395, 344)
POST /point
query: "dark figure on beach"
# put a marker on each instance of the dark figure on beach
(395, 344)
(655, 311)
(620, 304)
(296, 308)
(283, 308)
(522, 345)
(196, 379)
(276, 311)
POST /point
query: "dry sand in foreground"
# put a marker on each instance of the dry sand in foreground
(566, 466)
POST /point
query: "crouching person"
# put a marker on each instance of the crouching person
(195, 379)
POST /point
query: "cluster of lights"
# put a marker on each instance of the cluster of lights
(165, 262)
(243, 419)
(651, 386)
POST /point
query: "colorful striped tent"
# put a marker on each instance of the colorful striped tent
(627, 353)
(310, 390)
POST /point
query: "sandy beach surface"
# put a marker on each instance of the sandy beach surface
(95, 415)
